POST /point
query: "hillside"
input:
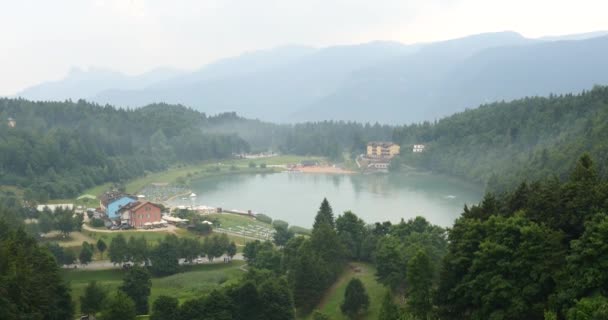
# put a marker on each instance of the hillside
(58, 149)
(505, 142)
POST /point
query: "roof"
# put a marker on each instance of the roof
(380, 143)
(114, 206)
(134, 206)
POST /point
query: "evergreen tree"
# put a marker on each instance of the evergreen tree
(420, 280)
(351, 231)
(389, 310)
(86, 253)
(137, 284)
(31, 286)
(309, 277)
(391, 263)
(277, 301)
(118, 306)
(92, 300)
(325, 215)
(164, 258)
(165, 307)
(101, 247)
(356, 300)
(119, 250)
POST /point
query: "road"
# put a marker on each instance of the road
(106, 264)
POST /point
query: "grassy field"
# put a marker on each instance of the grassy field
(330, 304)
(195, 281)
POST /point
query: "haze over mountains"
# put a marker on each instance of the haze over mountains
(378, 81)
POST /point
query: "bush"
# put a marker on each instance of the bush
(263, 218)
(263, 166)
(252, 164)
(97, 223)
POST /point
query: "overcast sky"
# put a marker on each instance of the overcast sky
(41, 40)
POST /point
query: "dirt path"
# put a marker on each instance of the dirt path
(348, 273)
(170, 228)
(106, 264)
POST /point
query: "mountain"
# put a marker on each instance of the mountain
(82, 84)
(433, 84)
(378, 81)
(269, 85)
(577, 36)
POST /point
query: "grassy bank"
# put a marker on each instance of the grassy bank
(330, 304)
(202, 170)
(195, 281)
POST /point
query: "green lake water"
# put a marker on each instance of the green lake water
(295, 197)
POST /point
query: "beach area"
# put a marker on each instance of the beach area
(321, 169)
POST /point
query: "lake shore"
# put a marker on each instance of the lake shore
(323, 170)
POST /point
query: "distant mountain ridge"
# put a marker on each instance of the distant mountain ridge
(84, 84)
(378, 81)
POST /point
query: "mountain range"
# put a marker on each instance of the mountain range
(386, 82)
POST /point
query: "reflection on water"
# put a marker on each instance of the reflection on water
(295, 197)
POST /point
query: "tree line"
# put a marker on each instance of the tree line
(163, 258)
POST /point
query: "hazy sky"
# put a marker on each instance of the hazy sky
(41, 40)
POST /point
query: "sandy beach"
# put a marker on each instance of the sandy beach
(323, 169)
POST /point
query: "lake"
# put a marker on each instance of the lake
(295, 197)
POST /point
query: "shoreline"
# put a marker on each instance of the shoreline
(322, 170)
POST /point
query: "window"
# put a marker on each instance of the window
(148, 216)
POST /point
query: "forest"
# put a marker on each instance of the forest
(58, 149)
(502, 143)
(537, 251)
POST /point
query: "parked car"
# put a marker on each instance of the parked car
(125, 227)
(114, 228)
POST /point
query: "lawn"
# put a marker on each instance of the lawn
(330, 304)
(195, 281)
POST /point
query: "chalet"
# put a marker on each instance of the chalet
(139, 214)
(378, 149)
(12, 123)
